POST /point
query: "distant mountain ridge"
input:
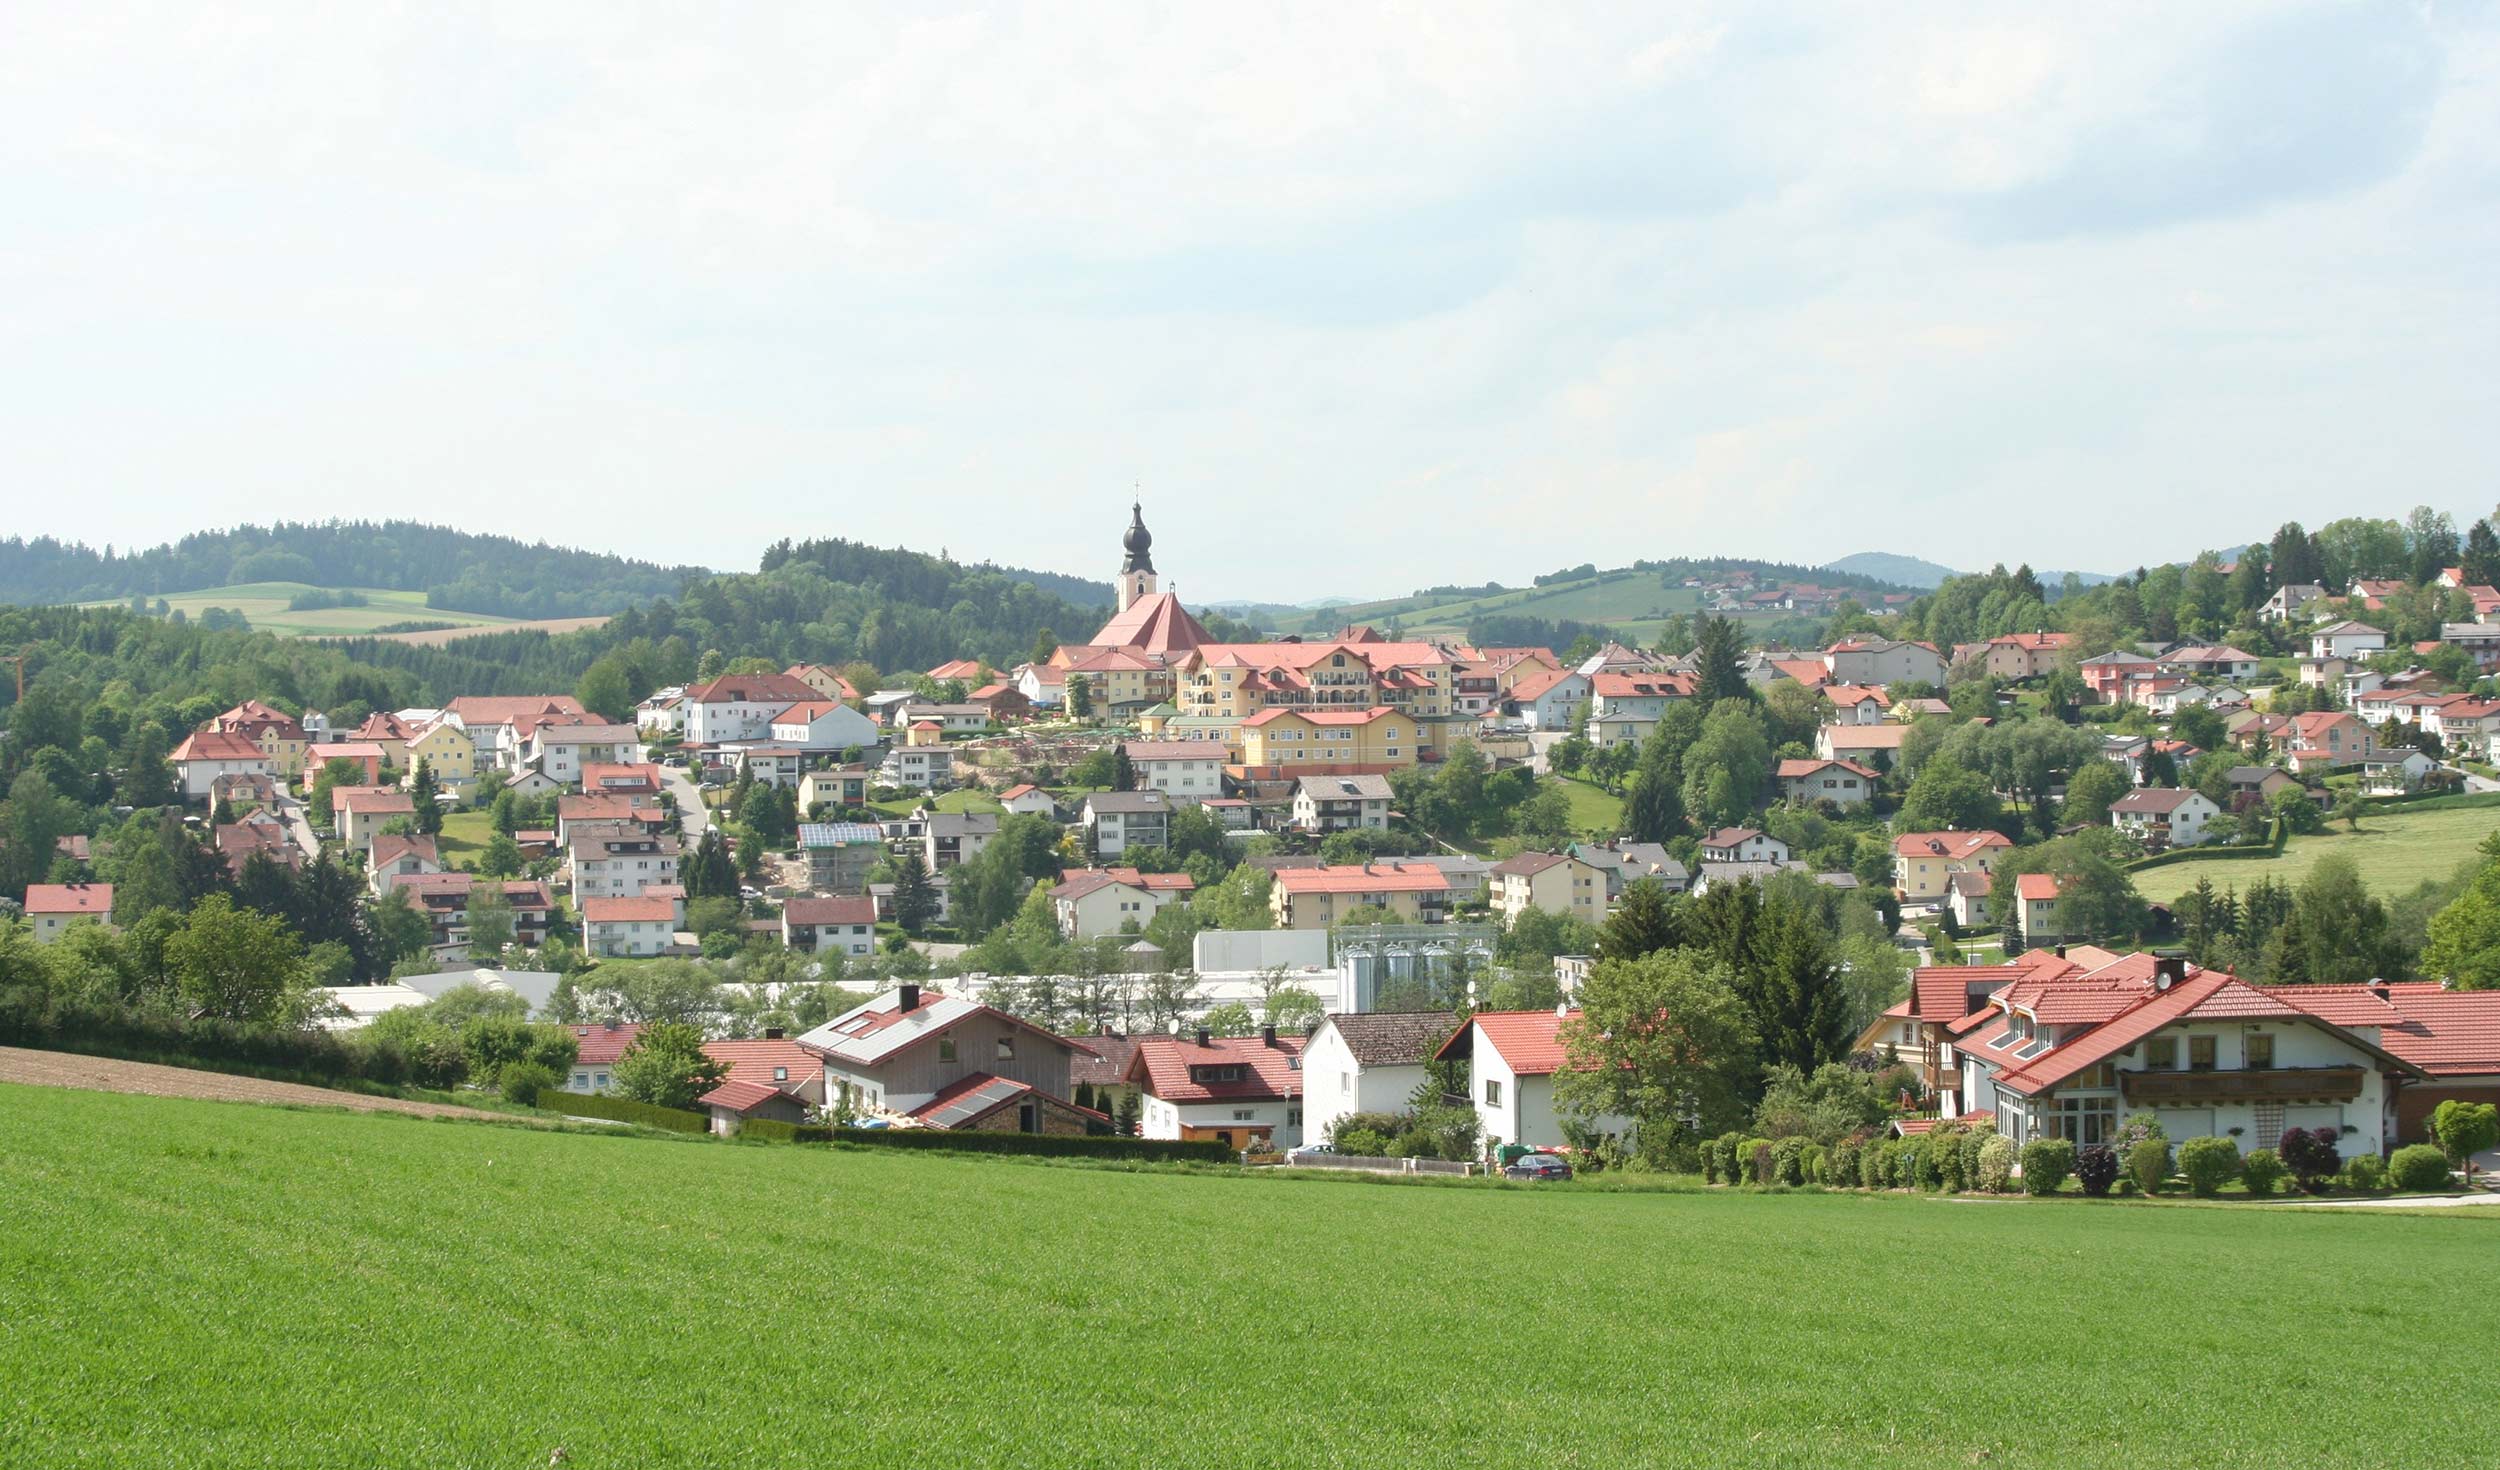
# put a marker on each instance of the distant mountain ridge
(1905, 571)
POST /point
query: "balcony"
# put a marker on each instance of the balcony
(2247, 1084)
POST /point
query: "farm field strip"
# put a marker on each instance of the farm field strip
(2396, 851)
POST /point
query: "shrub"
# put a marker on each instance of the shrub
(1942, 1153)
(1871, 1164)
(2312, 1156)
(1724, 1157)
(2148, 1164)
(2418, 1166)
(2366, 1172)
(1788, 1160)
(1843, 1163)
(1362, 1142)
(2096, 1168)
(771, 1130)
(1817, 1164)
(1759, 1168)
(2137, 1128)
(2047, 1164)
(2209, 1164)
(2263, 1170)
(1996, 1163)
(1972, 1140)
(521, 1081)
(2464, 1129)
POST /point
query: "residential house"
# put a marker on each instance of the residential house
(2109, 675)
(1120, 820)
(2347, 640)
(2027, 655)
(1547, 700)
(1743, 845)
(1026, 799)
(1857, 704)
(638, 780)
(2211, 663)
(1244, 1091)
(495, 723)
(822, 725)
(840, 855)
(923, 1059)
(604, 812)
(2482, 640)
(1093, 902)
(923, 762)
(1512, 1057)
(619, 859)
(1190, 770)
(2396, 773)
(1873, 746)
(2372, 593)
(842, 926)
(734, 1101)
(1367, 1062)
(2163, 817)
(2323, 739)
(775, 766)
(279, 735)
(835, 788)
(1709, 875)
(1555, 882)
(825, 682)
(941, 887)
(359, 813)
(393, 858)
(258, 833)
(2040, 900)
(1883, 661)
(1357, 669)
(1624, 708)
(444, 899)
(1967, 897)
(531, 781)
(1923, 862)
(1626, 862)
(628, 927)
(1842, 783)
(1317, 897)
(951, 719)
(738, 707)
(2257, 786)
(52, 907)
(206, 756)
(600, 1046)
(948, 838)
(663, 715)
(770, 1076)
(563, 749)
(2289, 603)
(1341, 803)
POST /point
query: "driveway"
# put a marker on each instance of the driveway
(691, 813)
(299, 824)
(2474, 783)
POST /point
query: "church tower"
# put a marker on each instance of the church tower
(1137, 569)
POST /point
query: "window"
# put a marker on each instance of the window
(781, 1074)
(1245, 1115)
(1492, 1092)
(2161, 1054)
(946, 1048)
(2200, 1053)
(601, 1080)
(2258, 1051)
(1006, 1048)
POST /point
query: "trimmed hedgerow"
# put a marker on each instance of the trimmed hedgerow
(2096, 1169)
(2047, 1164)
(2262, 1171)
(2418, 1166)
(2208, 1164)
(623, 1110)
(1052, 1145)
(771, 1130)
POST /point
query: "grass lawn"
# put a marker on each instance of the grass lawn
(2396, 852)
(1593, 808)
(264, 604)
(465, 834)
(188, 1283)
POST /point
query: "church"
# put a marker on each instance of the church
(1353, 704)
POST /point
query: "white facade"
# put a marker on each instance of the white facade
(837, 728)
(918, 767)
(1280, 1121)
(1335, 1084)
(626, 938)
(1190, 777)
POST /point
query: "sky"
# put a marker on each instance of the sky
(1356, 298)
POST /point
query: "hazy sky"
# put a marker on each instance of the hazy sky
(1363, 298)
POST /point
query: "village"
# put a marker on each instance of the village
(1330, 896)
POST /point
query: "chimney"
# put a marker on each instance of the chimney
(609, 1023)
(2379, 989)
(2058, 950)
(908, 999)
(1203, 1039)
(2168, 970)
(1267, 1036)
(772, 1033)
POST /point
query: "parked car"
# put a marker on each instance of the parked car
(1538, 1166)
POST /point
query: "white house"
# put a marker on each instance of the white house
(823, 724)
(741, 706)
(561, 751)
(1547, 701)
(52, 907)
(2160, 816)
(619, 859)
(2347, 640)
(1093, 902)
(1369, 1062)
(1842, 783)
(1742, 845)
(1188, 769)
(1026, 799)
(1240, 1090)
(625, 928)
(1883, 661)
(843, 926)
(1511, 1058)
(1341, 803)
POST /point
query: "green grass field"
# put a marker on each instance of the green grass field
(265, 605)
(465, 834)
(188, 1283)
(1593, 808)
(2396, 852)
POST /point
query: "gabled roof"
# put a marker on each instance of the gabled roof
(871, 1034)
(2036, 887)
(1529, 864)
(640, 908)
(1364, 878)
(1734, 837)
(742, 1096)
(1954, 846)
(1163, 1067)
(755, 1059)
(1799, 769)
(779, 690)
(862, 910)
(69, 898)
(1528, 1042)
(1391, 1038)
(216, 745)
(2155, 799)
(601, 1043)
(510, 709)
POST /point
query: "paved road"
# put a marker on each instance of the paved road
(293, 813)
(103, 1074)
(2474, 783)
(691, 814)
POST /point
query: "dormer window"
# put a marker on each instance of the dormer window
(1230, 1072)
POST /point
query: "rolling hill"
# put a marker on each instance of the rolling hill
(1908, 571)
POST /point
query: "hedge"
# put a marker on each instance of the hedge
(1049, 1145)
(2272, 847)
(2453, 801)
(624, 1110)
(772, 1129)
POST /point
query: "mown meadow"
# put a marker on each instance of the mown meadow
(187, 1283)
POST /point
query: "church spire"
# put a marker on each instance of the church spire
(1137, 569)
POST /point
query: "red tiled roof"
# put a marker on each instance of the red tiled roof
(1322, 716)
(1528, 1042)
(69, 898)
(1155, 623)
(741, 1096)
(1642, 686)
(1795, 769)
(216, 745)
(1364, 878)
(754, 1060)
(1538, 684)
(779, 690)
(1162, 1066)
(639, 908)
(475, 710)
(1954, 845)
(830, 910)
(2036, 887)
(2446, 1033)
(602, 1044)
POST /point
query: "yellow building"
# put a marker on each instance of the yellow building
(279, 735)
(446, 748)
(1319, 742)
(1237, 680)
